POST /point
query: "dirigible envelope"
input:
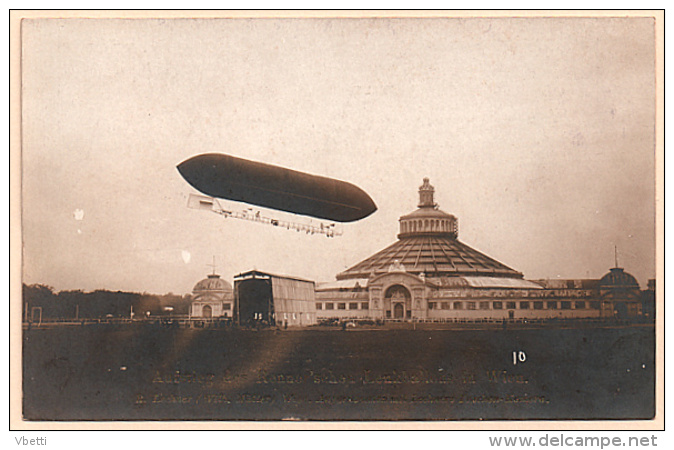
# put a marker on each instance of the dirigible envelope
(224, 176)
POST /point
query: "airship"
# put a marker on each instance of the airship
(227, 177)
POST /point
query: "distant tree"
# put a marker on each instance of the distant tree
(179, 304)
(104, 303)
(148, 302)
(38, 295)
(70, 304)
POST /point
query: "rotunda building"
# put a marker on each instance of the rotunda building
(426, 274)
(212, 297)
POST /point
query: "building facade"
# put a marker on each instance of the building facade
(429, 275)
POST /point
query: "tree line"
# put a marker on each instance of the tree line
(100, 303)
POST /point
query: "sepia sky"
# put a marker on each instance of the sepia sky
(538, 134)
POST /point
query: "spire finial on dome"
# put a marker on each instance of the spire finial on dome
(426, 192)
(213, 275)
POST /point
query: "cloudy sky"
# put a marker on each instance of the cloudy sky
(538, 134)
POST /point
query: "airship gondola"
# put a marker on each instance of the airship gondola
(231, 178)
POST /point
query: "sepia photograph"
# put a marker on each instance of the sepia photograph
(368, 217)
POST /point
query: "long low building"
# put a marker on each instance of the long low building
(428, 274)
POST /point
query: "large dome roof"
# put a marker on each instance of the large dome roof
(435, 256)
(212, 284)
(428, 243)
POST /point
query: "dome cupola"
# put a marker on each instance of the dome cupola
(617, 278)
(213, 286)
(426, 192)
(428, 220)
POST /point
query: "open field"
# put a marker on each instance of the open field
(139, 372)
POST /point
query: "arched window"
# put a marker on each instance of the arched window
(398, 302)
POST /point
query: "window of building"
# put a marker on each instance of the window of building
(524, 305)
(365, 305)
(511, 305)
(484, 305)
(445, 305)
(471, 305)
(566, 305)
(353, 305)
(570, 284)
(341, 305)
(329, 306)
(388, 314)
(319, 305)
(227, 306)
(431, 305)
(497, 305)
(580, 305)
(595, 305)
(538, 305)
(458, 305)
(552, 305)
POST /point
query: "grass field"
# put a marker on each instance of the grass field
(137, 372)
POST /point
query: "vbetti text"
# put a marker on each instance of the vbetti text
(22, 440)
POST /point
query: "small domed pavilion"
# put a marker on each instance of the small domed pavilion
(620, 294)
(212, 297)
